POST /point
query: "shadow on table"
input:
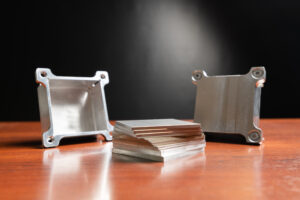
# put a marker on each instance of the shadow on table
(226, 138)
(37, 143)
(78, 140)
(130, 159)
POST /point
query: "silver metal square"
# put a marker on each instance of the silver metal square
(72, 106)
(230, 104)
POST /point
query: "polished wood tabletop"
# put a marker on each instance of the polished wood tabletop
(85, 168)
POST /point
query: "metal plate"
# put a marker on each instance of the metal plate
(155, 123)
(158, 148)
(230, 104)
(72, 106)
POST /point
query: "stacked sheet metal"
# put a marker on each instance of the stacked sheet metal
(157, 139)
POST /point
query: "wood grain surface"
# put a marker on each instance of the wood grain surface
(84, 168)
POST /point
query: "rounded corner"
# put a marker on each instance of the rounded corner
(49, 140)
(42, 75)
(258, 72)
(254, 136)
(103, 76)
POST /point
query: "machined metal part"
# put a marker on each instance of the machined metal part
(230, 104)
(72, 106)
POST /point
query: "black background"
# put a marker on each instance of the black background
(150, 48)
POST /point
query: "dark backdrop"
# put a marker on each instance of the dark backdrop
(150, 49)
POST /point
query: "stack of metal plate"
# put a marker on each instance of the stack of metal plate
(157, 139)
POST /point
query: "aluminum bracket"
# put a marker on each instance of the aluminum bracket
(72, 106)
(230, 104)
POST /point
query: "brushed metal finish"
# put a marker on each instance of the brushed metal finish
(72, 106)
(230, 104)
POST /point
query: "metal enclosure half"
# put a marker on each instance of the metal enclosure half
(230, 104)
(72, 106)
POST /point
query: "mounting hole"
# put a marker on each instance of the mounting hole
(254, 136)
(50, 139)
(44, 74)
(257, 73)
(102, 76)
(197, 76)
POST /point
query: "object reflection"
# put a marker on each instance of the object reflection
(176, 166)
(256, 152)
(80, 173)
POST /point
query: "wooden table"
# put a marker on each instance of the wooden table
(86, 169)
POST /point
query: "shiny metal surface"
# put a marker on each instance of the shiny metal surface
(72, 106)
(230, 104)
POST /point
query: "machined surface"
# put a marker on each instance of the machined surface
(72, 106)
(230, 104)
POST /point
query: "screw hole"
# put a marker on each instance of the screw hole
(254, 136)
(198, 76)
(43, 74)
(50, 139)
(258, 73)
(102, 76)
